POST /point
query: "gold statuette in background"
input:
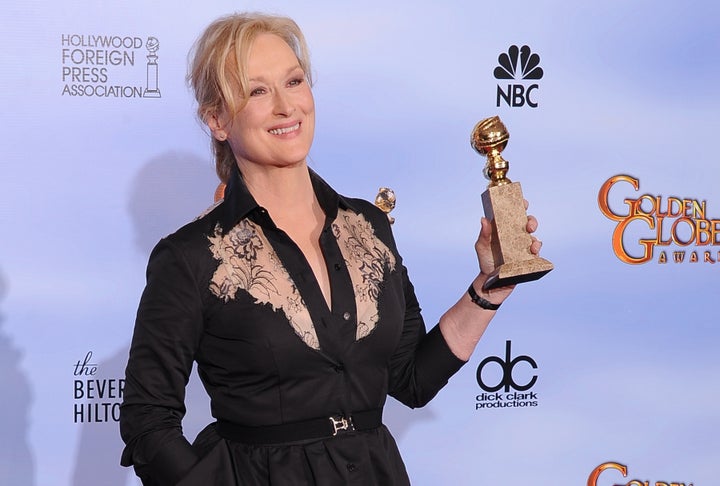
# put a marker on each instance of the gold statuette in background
(504, 207)
(385, 200)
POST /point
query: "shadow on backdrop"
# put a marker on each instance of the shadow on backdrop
(16, 459)
(167, 192)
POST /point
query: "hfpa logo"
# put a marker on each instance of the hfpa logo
(518, 64)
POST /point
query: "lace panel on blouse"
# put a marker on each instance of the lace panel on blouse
(249, 263)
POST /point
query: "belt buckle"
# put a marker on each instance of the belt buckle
(341, 424)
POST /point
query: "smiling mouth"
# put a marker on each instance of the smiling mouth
(282, 131)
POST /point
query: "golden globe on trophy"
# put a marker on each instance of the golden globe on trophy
(385, 200)
(504, 207)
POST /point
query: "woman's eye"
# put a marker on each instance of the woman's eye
(257, 91)
(296, 82)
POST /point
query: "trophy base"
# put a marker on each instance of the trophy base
(518, 272)
(504, 207)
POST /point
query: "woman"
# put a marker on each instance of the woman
(292, 299)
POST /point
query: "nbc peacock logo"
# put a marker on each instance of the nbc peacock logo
(521, 65)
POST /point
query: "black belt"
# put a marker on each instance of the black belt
(297, 431)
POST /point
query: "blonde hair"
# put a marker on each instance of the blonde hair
(218, 68)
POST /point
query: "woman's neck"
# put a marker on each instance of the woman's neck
(283, 191)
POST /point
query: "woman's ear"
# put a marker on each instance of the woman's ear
(216, 126)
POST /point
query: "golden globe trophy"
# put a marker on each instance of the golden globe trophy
(385, 200)
(504, 207)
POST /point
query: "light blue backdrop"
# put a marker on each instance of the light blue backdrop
(627, 367)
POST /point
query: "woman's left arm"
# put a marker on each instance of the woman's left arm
(424, 362)
(464, 323)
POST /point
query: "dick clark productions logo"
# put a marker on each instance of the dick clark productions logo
(492, 396)
(521, 65)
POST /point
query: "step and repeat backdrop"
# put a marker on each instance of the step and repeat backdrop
(602, 373)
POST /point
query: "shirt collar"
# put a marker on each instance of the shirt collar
(239, 204)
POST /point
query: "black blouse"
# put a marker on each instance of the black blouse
(234, 293)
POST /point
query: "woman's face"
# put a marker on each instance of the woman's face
(276, 126)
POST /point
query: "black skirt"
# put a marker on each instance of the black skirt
(362, 458)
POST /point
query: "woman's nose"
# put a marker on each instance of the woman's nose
(283, 105)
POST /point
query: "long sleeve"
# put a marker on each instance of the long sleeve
(167, 330)
(422, 362)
